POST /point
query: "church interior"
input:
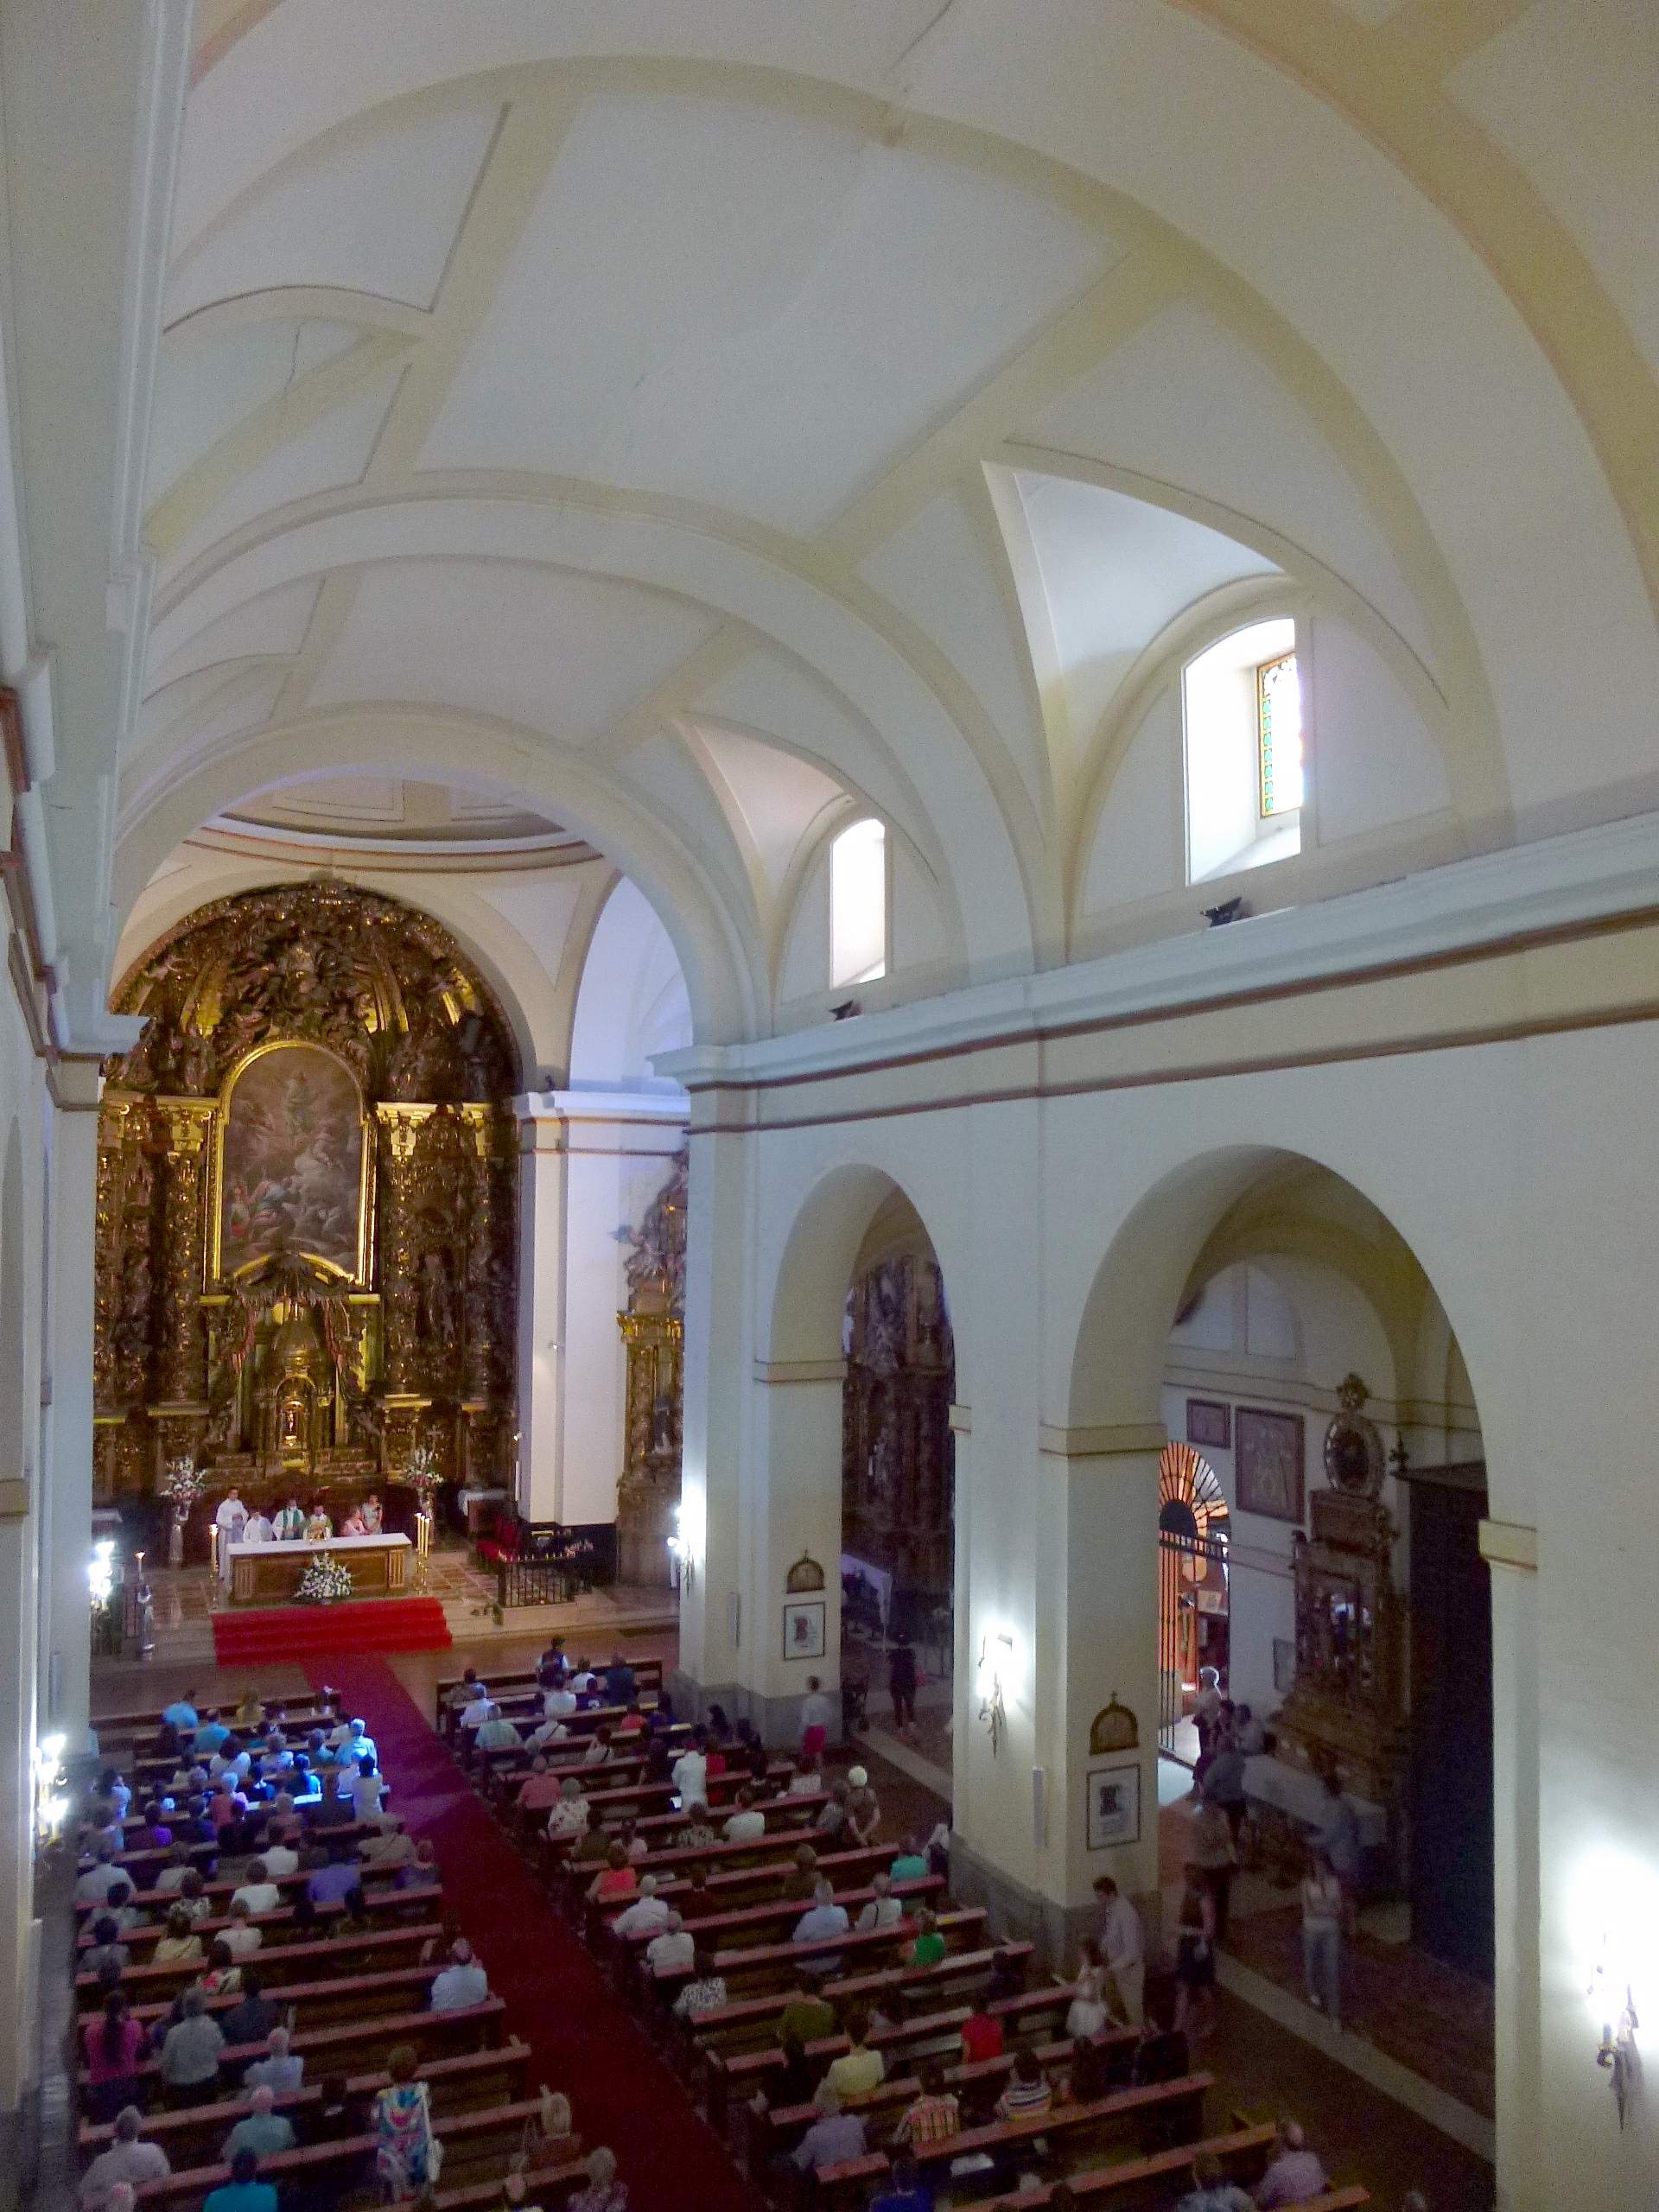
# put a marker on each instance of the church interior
(828, 1176)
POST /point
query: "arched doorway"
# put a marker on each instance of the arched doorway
(1306, 1360)
(1192, 1625)
(898, 1478)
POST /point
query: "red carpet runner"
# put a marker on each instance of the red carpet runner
(293, 1631)
(584, 2040)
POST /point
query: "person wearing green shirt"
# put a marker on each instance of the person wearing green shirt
(929, 1947)
(805, 2017)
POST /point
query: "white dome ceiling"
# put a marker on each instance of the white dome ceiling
(708, 422)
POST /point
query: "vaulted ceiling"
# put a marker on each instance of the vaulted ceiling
(701, 421)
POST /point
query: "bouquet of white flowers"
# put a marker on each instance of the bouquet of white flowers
(182, 1482)
(324, 1581)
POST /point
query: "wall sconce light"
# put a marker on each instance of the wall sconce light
(1617, 2046)
(992, 1709)
(51, 1798)
(100, 1571)
(683, 1568)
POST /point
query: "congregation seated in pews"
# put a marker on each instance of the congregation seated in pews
(273, 2009)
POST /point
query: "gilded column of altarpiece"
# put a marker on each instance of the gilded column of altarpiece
(307, 1216)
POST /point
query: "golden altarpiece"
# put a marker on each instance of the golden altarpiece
(653, 1329)
(307, 1205)
(898, 1452)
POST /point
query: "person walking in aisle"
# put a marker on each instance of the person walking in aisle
(1323, 1908)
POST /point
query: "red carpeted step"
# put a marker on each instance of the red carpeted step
(584, 2039)
(296, 1631)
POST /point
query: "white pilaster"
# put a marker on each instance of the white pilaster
(66, 1491)
(1511, 1553)
(541, 1307)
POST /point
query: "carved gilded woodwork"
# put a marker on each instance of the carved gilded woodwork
(306, 1202)
(653, 1330)
(898, 1452)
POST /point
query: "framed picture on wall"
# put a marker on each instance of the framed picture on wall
(1268, 1462)
(1210, 1424)
(1284, 1665)
(1114, 1806)
(803, 1628)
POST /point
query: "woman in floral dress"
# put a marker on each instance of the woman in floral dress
(402, 2128)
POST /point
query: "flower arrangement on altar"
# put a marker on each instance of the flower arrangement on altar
(421, 1473)
(181, 1483)
(325, 1581)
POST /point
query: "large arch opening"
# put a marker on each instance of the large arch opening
(1264, 1313)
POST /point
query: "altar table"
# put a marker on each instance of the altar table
(270, 1574)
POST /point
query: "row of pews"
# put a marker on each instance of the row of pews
(1128, 2148)
(349, 1999)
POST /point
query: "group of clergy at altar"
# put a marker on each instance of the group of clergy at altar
(292, 1524)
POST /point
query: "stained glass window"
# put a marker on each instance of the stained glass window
(1278, 735)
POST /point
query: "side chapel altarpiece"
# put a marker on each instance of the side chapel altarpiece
(306, 1204)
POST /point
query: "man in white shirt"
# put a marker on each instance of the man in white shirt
(348, 1737)
(279, 2071)
(647, 1915)
(496, 1733)
(807, 1780)
(551, 1731)
(560, 1699)
(674, 1947)
(475, 1715)
(128, 2159)
(280, 1857)
(257, 1891)
(883, 1909)
(258, 1528)
(1123, 1946)
(690, 1773)
(462, 1982)
(241, 1938)
(570, 1817)
(748, 1821)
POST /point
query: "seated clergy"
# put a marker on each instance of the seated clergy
(318, 1528)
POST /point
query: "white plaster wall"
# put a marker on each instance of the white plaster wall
(1031, 1205)
(1377, 762)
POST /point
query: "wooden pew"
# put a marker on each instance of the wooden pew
(1066, 2129)
(141, 1729)
(525, 1681)
(751, 2023)
(755, 1881)
(731, 2078)
(360, 2044)
(781, 1962)
(1151, 2184)
(135, 1864)
(225, 1886)
(383, 1905)
(329, 1998)
(193, 2136)
(977, 2086)
(280, 1967)
(474, 2144)
(790, 1817)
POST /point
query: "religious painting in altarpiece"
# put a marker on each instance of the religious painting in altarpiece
(307, 1207)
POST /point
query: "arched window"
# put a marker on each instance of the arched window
(858, 905)
(1241, 706)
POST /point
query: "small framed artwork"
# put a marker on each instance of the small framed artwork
(803, 1628)
(1114, 1806)
(1284, 1665)
(1268, 1462)
(1210, 1424)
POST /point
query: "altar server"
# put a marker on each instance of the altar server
(258, 1529)
(232, 1518)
